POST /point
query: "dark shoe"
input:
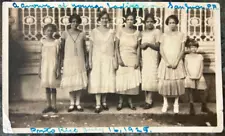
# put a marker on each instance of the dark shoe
(54, 110)
(120, 106)
(105, 107)
(98, 110)
(46, 110)
(192, 110)
(131, 107)
(79, 108)
(148, 106)
(71, 108)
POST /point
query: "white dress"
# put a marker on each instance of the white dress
(128, 78)
(74, 70)
(49, 63)
(150, 61)
(171, 81)
(193, 64)
(102, 78)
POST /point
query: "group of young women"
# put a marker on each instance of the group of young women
(119, 62)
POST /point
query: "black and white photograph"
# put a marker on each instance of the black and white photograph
(111, 67)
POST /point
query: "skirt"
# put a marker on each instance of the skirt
(171, 81)
(74, 75)
(128, 80)
(200, 84)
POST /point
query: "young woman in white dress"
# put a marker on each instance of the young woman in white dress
(128, 76)
(74, 79)
(171, 72)
(102, 61)
(150, 47)
(49, 67)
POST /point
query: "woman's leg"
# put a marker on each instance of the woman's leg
(78, 95)
(165, 104)
(120, 105)
(98, 103)
(72, 103)
(190, 96)
(104, 104)
(54, 100)
(176, 105)
(48, 98)
(131, 106)
(148, 100)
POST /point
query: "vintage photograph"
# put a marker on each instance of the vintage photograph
(92, 66)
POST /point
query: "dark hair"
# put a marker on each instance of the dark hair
(75, 16)
(102, 13)
(174, 17)
(53, 26)
(191, 42)
(149, 15)
(130, 14)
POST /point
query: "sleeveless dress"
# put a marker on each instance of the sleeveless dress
(49, 62)
(102, 78)
(150, 61)
(128, 78)
(171, 81)
(74, 70)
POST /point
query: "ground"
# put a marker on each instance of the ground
(28, 114)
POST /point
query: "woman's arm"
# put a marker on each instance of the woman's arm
(201, 69)
(120, 61)
(154, 46)
(180, 56)
(138, 54)
(164, 56)
(186, 68)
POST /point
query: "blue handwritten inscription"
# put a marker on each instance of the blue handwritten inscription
(44, 130)
(188, 7)
(144, 129)
(22, 5)
(67, 130)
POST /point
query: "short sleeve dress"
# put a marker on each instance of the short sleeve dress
(102, 78)
(74, 69)
(171, 81)
(49, 62)
(128, 78)
(150, 61)
(199, 84)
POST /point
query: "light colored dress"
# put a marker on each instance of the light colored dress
(49, 63)
(102, 78)
(74, 70)
(193, 64)
(171, 81)
(150, 61)
(128, 78)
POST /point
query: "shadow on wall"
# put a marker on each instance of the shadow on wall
(16, 57)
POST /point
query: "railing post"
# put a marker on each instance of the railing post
(184, 20)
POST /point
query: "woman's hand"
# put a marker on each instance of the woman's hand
(137, 64)
(144, 45)
(121, 63)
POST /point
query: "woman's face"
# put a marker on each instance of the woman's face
(74, 23)
(49, 31)
(193, 49)
(149, 23)
(130, 21)
(172, 24)
(104, 20)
